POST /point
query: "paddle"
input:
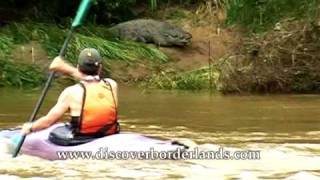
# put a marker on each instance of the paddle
(83, 9)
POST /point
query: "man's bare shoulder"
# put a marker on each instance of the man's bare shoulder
(72, 89)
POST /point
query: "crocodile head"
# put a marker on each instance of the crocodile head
(175, 36)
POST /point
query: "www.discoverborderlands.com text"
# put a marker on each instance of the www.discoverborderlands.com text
(152, 154)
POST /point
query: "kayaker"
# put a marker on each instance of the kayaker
(92, 103)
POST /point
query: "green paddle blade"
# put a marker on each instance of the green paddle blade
(82, 11)
(16, 139)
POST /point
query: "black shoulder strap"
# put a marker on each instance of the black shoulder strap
(114, 100)
(82, 106)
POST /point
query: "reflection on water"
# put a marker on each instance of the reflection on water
(285, 128)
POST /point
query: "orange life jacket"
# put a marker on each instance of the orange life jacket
(99, 110)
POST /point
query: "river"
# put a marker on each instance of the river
(285, 129)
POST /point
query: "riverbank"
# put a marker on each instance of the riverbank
(225, 56)
(267, 49)
(36, 44)
(29, 48)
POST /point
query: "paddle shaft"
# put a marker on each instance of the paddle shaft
(44, 92)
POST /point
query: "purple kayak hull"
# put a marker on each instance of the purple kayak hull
(37, 144)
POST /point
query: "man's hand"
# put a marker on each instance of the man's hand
(58, 65)
(26, 128)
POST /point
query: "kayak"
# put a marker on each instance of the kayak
(123, 145)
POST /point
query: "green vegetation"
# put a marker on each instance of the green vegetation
(104, 12)
(16, 74)
(198, 79)
(116, 50)
(284, 58)
(258, 15)
(21, 75)
(51, 38)
(153, 4)
(6, 44)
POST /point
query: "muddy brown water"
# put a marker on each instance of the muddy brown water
(285, 129)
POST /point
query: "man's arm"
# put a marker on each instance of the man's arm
(59, 65)
(53, 115)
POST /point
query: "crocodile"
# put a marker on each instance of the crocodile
(151, 31)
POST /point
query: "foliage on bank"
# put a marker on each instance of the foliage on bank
(203, 78)
(104, 12)
(260, 15)
(13, 73)
(51, 38)
(283, 60)
(282, 57)
(279, 55)
(21, 75)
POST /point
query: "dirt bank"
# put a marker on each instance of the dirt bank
(206, 41)
(31, 53)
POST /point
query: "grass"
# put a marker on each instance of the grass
(192, 80)
(260, 15)
(230, 74)
(16, 74)
(20, 75)
(282, 61)
(116, 50)
(6, 44)
(51, 37)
